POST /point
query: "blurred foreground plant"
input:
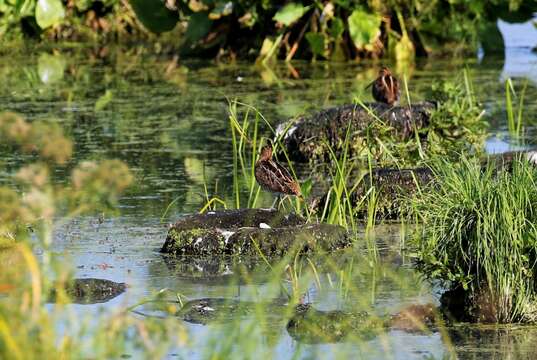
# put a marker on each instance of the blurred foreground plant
(28, 215)
(38, 200)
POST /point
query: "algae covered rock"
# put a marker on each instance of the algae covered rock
(392, 188)
(308, 137)
(90, 290)
(251, 232)
(221, 310)
(309, 325)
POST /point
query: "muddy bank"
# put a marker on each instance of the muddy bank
(308, 137)
(89, 291)
(251, 232)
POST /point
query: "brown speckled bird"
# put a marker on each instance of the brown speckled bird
(385, 88)
(272, 176)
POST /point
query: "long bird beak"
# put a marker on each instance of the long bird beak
(370, 84)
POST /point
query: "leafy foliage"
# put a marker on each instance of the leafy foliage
(336, 29)
(364, 28)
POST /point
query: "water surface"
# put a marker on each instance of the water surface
(169, 122)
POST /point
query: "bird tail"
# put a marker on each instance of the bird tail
(370, 84)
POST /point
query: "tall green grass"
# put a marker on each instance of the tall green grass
(479, 237)
(246, 124)
(514, 112)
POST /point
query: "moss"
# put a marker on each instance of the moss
(313, 326)
(194, 241)
(236, 239)
(89, 291)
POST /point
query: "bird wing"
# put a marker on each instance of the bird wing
(281, 177)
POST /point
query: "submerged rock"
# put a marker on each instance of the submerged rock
(307, 137)
(251, 232)
(309, 325)
(90, 291)
(222, 310)
(305, 323)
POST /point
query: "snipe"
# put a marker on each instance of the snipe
(385, 88)
(273, 177)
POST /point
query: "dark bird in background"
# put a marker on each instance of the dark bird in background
(272, 176)
(385, 88)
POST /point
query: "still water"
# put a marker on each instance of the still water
(169, 122)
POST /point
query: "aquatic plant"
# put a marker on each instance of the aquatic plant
(478, 238)
(514, 123)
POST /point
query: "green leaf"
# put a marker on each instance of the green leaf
(24, 7)
(154, 15)
(364, 28)
(337, 27)
(48, 13)
(316, 41)
(199, 25)
(50, 68)
(290, 13)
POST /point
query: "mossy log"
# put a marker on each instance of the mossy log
(392, 188)
(233, 219)
(306, 137)
(90, 291)
(251, 232)
(395, 186)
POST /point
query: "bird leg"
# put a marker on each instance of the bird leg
(276, 200)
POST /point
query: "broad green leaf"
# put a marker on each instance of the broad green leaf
(336, 28)
(290, 13)
(48, 13)
(154, 15)
(199, 25)
(50, 68)
(364, 28)
(316, 41)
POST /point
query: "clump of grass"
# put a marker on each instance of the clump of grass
(479, 238)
